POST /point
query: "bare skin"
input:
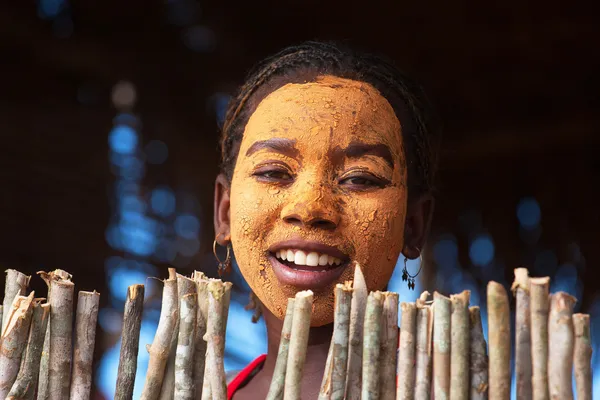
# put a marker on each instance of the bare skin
(320, 164)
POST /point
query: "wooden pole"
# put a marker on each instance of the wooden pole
(201, 321)
(184, 361)
(539, 306)
(479, 358)
(389, 346)
(278, 380)
(130, 340)
(582, 356)
(357, 317)
(85, 340)
(423, 348)
(499, 337)
(560, 346)
(459, 346)
(372, 346)
(15, 285)
(61, 329)
(524, 370)
(441, 346)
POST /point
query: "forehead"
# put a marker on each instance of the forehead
(330, 111)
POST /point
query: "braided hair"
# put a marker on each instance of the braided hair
(308, 61)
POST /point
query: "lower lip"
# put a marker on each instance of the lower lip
(306, 279)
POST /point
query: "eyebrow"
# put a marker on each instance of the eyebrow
(359, 149)
(287, 147)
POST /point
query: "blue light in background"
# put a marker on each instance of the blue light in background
(49, 9)
(187, 226)
(481, 250)
(132, 203)
(445, 251)
(157, 152)
(188, 247)
(162, 201)
(110, 320)
(123, 139)
(136, 238)
(529, 213)
(120, 278)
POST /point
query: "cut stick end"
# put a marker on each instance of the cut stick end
(542, 281)
(134, 291)
(461, 298)
(496, 290)
(521, 280)
(562, 301)
(172, 274)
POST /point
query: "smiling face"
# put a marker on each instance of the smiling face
(319, 182)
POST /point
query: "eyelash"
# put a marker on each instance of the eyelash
(282, 175)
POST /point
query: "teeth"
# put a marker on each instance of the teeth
(300, 257)
(323, 259)
(312, 259)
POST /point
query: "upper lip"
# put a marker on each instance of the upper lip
(308, 246)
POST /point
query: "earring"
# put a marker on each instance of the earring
(224, 266)
(406, 276)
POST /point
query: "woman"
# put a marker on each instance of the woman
(328, 157)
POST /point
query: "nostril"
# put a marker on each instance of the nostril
(293, 219)
(323, 224)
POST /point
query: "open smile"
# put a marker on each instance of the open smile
(307, 265)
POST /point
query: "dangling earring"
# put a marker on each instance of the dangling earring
(224, 266)
(406, 276)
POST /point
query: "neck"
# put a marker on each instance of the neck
(316, 353)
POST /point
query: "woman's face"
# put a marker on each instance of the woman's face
(320, 181)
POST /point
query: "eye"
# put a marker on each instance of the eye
(363, 180)
(357, 180)
(273, 174)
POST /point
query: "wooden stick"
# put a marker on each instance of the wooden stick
(44, 376)
(27, 379)
(159, 350)
(298, 344)
(15, 285)
(61, 322)
(14, 340)
(185, 286)
(582, 356)
(371, 346)
(499, 337)
(560, 345)
(218, 305)
(357, 318)
(184, 362)
(423, 349)
(441, 346)
(201, 320)
(130, 340)
(479, 358)
(539, 305)
(389, 346)
(520, 289)
(406, 360)
(278, 380)
(341, 332)
(459, 346)
(85, 340)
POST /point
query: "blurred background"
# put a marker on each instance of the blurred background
(109, 123)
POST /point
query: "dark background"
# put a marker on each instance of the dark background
(515, 83)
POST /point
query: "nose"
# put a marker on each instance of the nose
(316, 211)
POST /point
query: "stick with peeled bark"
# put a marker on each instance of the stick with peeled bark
(184, 361)
(499, 337)
(298, 344)
(14, 340)
(406, 360)
(423, 349)
(61, 322)
(389, 346)
(26, 383)
(334, 378)
(218, 306)
(159, 350)
(539, 306)
(441, 346)
(185, 286)
(201, 319)
(479, 357)
(459, 346)
(520, 289)
(371, 346)
(560, 345)
(15, 285)
(85, 339)
(278, 381)
(582, 356)
(130, 340)
(355, 342)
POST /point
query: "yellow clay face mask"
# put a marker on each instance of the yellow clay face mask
(321, 179)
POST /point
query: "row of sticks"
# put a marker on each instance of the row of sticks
(440, 348)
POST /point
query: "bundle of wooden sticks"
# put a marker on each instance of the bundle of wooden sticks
(439, 350)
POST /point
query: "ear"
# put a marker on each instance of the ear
(418, 221)
(221, 216)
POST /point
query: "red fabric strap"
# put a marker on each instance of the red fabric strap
(243, 375)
